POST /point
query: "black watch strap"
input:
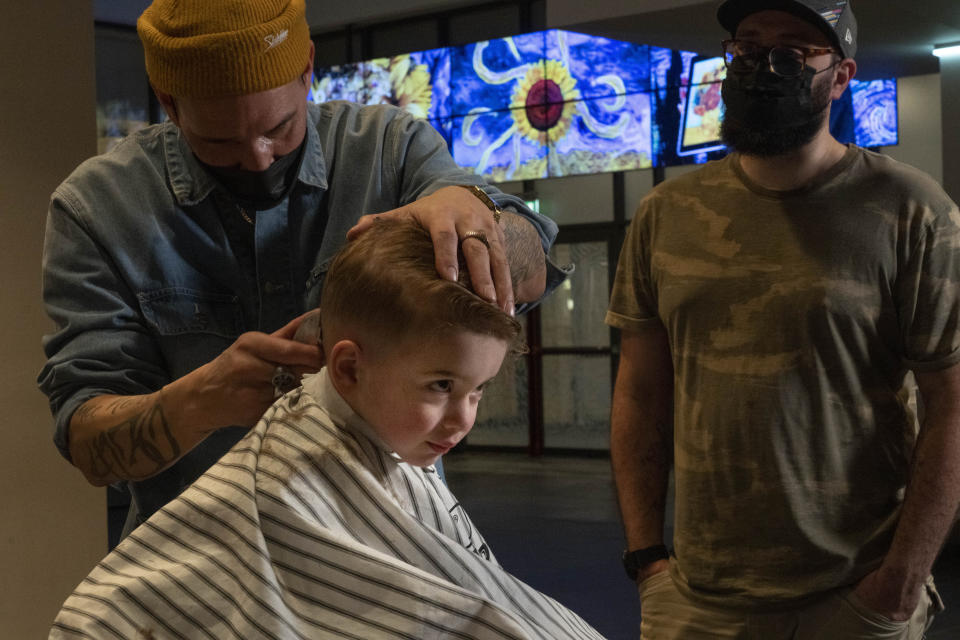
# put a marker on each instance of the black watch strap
(634, 561)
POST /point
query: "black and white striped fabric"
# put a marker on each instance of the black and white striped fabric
(310, 528)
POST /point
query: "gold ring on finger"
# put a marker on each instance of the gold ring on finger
(479, 235)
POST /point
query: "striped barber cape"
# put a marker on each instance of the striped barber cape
(310, 528)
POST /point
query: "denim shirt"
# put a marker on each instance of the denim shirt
(143, 285)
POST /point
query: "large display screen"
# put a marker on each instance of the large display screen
(875, 112)
(702, 109)
(417, 82)
(558, 103)
(549, 104)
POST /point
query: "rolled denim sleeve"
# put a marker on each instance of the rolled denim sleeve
(98, 345)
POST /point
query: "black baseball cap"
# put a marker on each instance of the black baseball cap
(834, 17)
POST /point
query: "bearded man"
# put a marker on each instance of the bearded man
(781, 310)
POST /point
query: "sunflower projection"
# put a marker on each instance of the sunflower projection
(558, 103)
(418, 83)
(612, 121)
(543, 104)
(568, 112)
(501, 101)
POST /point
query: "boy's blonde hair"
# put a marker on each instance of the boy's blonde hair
(385, 285)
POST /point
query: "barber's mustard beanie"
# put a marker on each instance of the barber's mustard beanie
(213, 48)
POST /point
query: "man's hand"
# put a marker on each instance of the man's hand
(930, 505)
(135, 437)
(448, 214)
(658, 566)
(236, 387)
(892, 598)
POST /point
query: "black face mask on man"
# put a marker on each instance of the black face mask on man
(768, 114)
(260, 190)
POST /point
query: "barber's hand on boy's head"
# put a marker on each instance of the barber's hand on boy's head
(449, 214)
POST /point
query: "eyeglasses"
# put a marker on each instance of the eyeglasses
(788, 62)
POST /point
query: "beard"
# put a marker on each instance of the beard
(772, 140)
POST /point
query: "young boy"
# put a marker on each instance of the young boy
(328, 519)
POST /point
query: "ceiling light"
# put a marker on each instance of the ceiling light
(949, 50)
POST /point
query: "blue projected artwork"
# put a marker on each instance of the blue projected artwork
(601, 67)
(556, 123)
(875, 112)
(491, 143)
(559, 103)
(490, 75)
(605, 134)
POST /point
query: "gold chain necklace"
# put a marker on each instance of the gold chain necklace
(244, 215)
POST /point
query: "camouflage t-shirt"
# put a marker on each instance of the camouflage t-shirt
(793, 319)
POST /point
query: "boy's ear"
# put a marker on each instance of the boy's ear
(343, 364)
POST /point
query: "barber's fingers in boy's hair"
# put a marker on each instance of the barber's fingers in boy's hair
(488, 268)
(448, 214)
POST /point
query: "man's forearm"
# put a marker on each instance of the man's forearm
(528, 267)
(933, 495)
(641, 465)
(123, 438)
(641, 435)
(135, 437)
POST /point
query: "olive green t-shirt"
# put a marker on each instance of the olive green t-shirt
(793, 320)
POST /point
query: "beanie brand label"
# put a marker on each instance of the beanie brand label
(275, 39)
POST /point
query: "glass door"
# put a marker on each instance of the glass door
(557, 396)
(576, 353)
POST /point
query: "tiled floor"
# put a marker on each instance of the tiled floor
(553, 522)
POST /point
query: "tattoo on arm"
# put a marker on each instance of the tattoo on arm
(84, 411)
(138, 447)
(121, 404)
(525, 256)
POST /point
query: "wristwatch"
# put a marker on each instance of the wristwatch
(485, 199)
(634, 561)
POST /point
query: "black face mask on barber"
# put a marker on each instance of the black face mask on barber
(762, 99)
(260, 190)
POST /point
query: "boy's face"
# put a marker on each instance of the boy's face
(421, 395)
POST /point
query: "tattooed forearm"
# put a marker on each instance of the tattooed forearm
(121, 404)
(85, 411)
(523, 248)
(139, 447)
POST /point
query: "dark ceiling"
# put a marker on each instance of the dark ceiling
(895, 37)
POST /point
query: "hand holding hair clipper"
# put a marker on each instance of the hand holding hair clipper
(309, 332)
